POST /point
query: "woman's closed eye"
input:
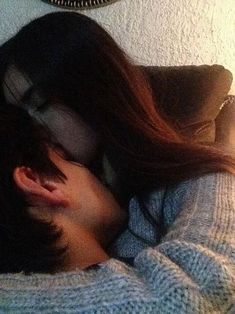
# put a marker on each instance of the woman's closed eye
(95, 165)
(61, 151)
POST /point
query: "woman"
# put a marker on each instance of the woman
(69, 74)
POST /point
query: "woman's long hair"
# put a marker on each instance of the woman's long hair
(72, 59)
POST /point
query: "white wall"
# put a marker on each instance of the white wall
(157, 32)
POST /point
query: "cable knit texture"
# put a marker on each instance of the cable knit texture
(189, 269)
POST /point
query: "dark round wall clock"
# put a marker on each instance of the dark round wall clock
(80, 4)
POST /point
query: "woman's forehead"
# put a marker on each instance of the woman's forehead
(15, 85)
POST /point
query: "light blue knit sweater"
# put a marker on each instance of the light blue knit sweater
(191, 269)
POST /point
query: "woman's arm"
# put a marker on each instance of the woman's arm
(196, 258)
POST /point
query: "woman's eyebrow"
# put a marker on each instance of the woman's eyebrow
(62, 152)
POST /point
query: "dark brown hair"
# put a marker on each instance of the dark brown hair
(27, 243)
(71, 58)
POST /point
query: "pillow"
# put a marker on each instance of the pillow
(190, 97)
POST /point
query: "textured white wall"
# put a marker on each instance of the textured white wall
(166, 32)
(157, 32)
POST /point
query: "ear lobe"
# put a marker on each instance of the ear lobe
(37, 189)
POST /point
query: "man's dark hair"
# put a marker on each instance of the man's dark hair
(27, 243)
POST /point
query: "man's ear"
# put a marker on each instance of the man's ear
(38, 189)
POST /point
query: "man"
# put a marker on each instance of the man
(55, 214)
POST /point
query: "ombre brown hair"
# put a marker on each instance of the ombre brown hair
(70, 57)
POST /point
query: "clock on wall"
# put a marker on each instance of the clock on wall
(80, 4)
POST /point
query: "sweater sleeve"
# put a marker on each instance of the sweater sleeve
(192, 270)
(195, 262)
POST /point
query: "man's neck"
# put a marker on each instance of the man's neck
(83, 248)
